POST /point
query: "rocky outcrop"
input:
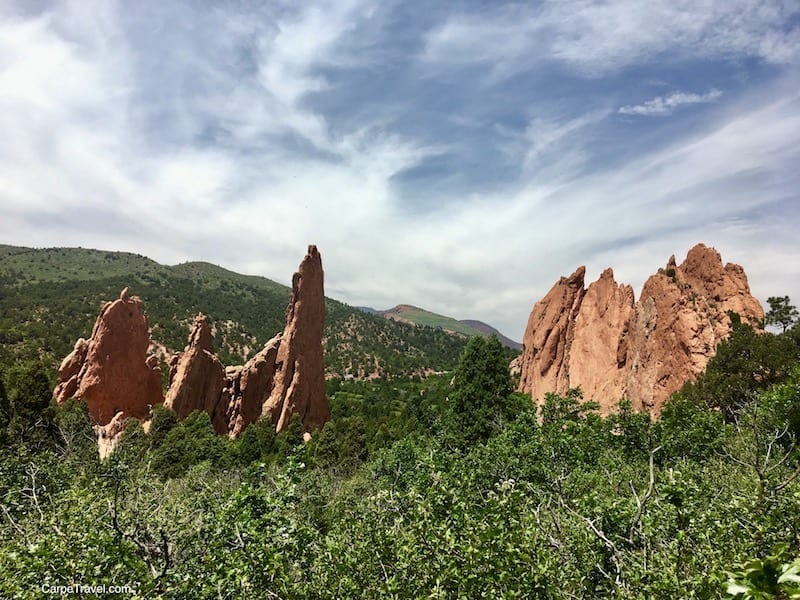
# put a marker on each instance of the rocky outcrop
(548, 336)
(599, 350)
(111, 371)
(614, 348)
(299, 385)
(197, 378)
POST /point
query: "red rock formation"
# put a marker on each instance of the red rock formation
(299, 385)
(111, 371)
(548, 336)
(248, 387)
(612, 347)
(599, 350)
(287, 376)
(197, 378)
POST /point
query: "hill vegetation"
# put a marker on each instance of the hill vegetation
(50, 297)
(406, 313)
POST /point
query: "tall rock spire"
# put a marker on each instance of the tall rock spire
(299, 385)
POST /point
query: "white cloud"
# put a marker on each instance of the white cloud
(664, 105)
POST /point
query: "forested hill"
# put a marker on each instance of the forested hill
(50, 297)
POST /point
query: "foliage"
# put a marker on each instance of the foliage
(772, 577)
(51, 297)
(744, 364)
(481, 400)
(191, 441)
(416, 488)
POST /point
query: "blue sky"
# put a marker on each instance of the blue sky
(457, 156)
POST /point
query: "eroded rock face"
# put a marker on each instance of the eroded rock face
(548, 336)
(197, 378)
(248, 387)
(299, 385)
(286, 377)
(111, 371)
(613, 347)
(599, 350)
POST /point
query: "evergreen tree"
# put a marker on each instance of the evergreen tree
(31, 419)
(5, 412)
(480, 401)
(781, 312)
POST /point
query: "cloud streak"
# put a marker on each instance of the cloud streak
(665, 105)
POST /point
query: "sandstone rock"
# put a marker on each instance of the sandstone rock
(248, 387)
(599, 350)
(549, 333)
(109, 435)
(110, 371)
(613, 347)
(69, 371)
(299, 385)
(113, 374)
(197, 378)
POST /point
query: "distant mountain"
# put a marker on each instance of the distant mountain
(50, 297)
(405, 313)
(368, 310)
(488, 330)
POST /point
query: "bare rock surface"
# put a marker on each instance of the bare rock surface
(197, 378)
(299, 385)
(550, 331)
(111, 370)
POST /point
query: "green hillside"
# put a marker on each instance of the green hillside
(50, 297)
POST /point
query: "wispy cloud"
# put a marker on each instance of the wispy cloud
(664, 105)
(595, 38)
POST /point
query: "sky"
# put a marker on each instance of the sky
(458, 156)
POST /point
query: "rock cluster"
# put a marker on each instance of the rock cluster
(600, 339)
(113, 374)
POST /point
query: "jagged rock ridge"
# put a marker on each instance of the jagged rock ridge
(286, 377)
(613, 347)
(111, 370)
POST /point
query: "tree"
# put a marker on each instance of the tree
(31, 418)
(5, 411)
(781, 312)
(481, 401)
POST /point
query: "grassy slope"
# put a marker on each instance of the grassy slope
(50, 297)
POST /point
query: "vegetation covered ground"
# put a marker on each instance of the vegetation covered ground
(447, 487)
